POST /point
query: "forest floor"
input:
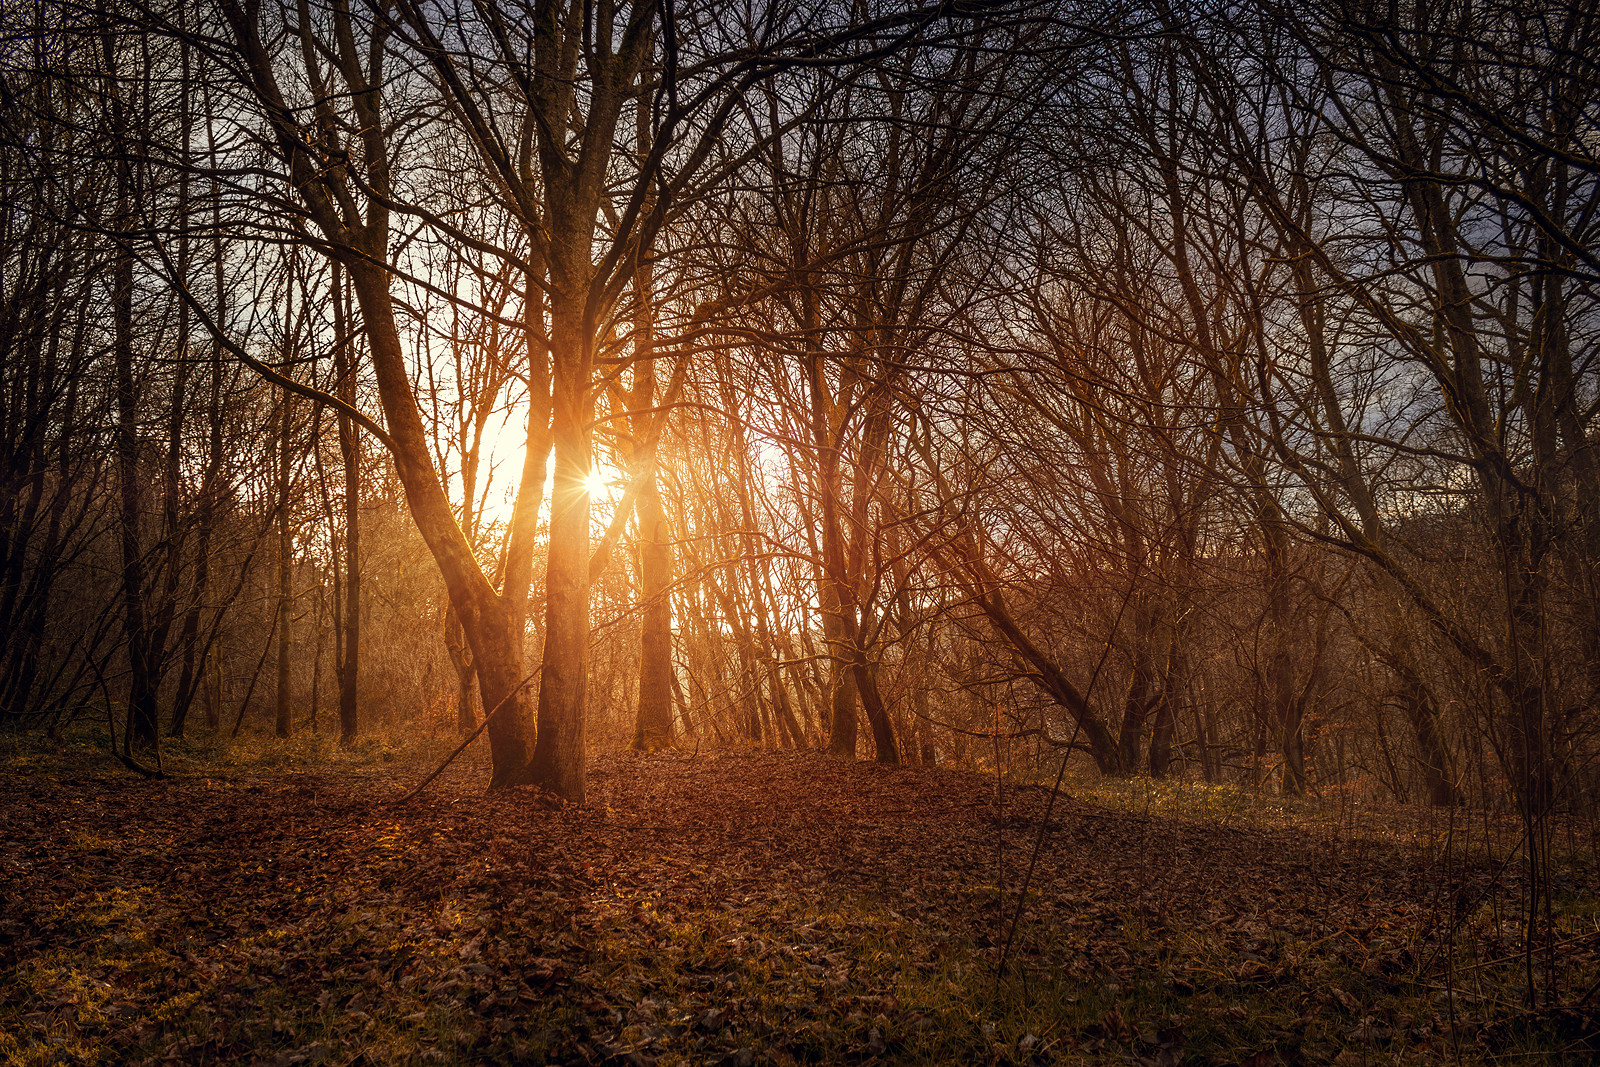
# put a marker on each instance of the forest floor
(756, 907)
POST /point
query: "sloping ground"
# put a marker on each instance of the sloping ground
(738, 909)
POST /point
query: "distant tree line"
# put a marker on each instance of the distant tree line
(1203, 389)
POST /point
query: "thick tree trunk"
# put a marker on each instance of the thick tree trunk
(1163, 723)
(652, 728)
(1517, 523)
(559, 757)
(842, 725)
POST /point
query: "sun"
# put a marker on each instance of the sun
(595, 485)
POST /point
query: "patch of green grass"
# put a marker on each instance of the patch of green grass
(1186, 798)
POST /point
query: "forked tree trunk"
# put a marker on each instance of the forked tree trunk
(492, 633)
(359, 240)
(865, 673)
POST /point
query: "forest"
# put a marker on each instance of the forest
(781, 531)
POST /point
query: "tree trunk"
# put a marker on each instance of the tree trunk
(189, 675)
(1434, 760)
(345, 367)
(214, 691)
(466, 674)
(842, 726)
(141, 722)
(1143, 692)
(316, 663)
(492, 633)
(559, 757)
(284, 718)
(653, 724)
(1166, 714)
(883, 740)
(652, 727)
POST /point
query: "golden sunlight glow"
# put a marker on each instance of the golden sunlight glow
(500, 469)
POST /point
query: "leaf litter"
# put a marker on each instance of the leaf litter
(740, 908)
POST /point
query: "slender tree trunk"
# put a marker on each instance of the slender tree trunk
(214, 666)
(786, 716)
(834, 600)
(346, 368)
(653, 719)
(653, 724)
(141, 722)
(284, 717)
(316, 662)
(142, 711)
(189, 677)
(1166, 713)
